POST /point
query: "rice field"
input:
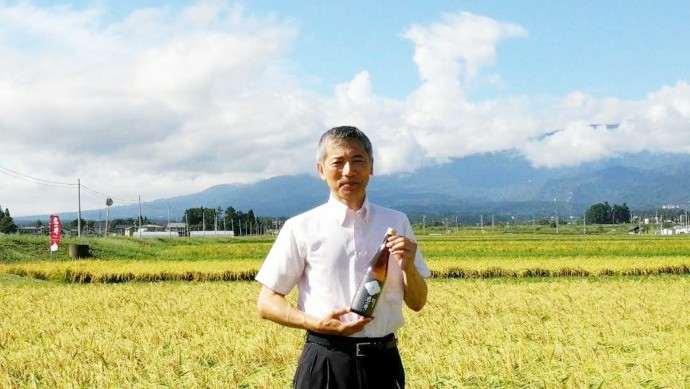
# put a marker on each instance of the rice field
(453, 256)
(575, 332)
(495, 322)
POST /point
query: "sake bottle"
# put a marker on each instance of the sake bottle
(371, 284)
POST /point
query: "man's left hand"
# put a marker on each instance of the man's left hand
(403, 249)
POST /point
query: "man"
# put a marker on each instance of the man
(324, 252)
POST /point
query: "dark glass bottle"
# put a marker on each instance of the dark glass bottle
(371, 284)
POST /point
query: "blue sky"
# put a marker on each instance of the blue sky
(613, 48)
(159, 98)
(605, 48)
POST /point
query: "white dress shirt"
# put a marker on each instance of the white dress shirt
(325, 252)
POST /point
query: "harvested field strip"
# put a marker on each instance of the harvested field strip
(116, 271)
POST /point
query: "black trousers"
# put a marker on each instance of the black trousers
(333, 363)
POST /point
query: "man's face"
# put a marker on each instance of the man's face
(346, 169)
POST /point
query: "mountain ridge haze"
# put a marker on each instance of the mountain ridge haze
(503, 180)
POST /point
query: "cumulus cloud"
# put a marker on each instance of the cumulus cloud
(451, 52)
(550, 132)
(198, 95)
(167, 102)
(596, 129)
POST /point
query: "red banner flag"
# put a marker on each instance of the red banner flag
(55, 230)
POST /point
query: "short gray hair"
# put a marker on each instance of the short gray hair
(341, 133)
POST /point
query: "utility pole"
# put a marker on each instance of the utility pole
(140, 219)
(108, 203)
(79, 210)
(534, 225)
(555, 207)
(203, 221)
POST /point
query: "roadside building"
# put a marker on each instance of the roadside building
(176, 228)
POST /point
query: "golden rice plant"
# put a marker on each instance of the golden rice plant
(572, 332)
(448, 267)
(562, 333)
(523, 245)
(85, 271)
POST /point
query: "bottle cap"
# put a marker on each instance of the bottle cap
(391, 231)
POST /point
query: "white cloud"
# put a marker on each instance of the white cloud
(165, 102)
(452, 52)
(660, 123)
(196, 95)
(573, 145)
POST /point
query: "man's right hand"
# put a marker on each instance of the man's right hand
(273, 306)
(333, 325)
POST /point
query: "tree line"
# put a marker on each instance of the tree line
(196, 219)
(242, 223)
(604, 213)
(201, 218)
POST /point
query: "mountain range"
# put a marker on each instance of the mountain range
(503, 183)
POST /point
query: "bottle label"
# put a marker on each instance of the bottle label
(372, 287)
(366, 298)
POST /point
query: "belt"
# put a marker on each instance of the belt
(358, 347)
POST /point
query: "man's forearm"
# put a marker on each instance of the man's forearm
(274, 307)
(415, 289)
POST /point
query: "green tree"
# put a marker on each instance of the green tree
(603, 213)
(124, 221)
(620, 213)
(7, 225)
(229, 217)
(599, 213)
(75, 223)
(240, 222)
(200, 218)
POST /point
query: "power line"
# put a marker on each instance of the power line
(57, 184)
(40, 181)
(97, 193)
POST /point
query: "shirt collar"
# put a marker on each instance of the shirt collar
(341, 211)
